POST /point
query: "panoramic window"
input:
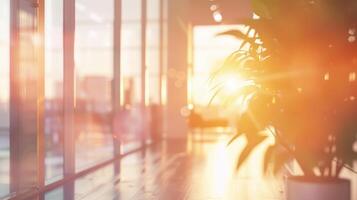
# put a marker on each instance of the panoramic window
(153, 51)
(94, 75)
(54, 90)
(131, 74)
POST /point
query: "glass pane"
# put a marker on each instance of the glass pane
(153, 10)
(131, 11)
(153, 68)
(131, 75)
(152, 57)
(54, 89)
(94, 74)
(4, 95)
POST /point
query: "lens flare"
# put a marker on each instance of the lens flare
(234, 84)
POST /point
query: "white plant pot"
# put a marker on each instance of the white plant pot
(303, 188)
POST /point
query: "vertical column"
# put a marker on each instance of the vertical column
(68, 95)
(164, 65)
(161, 47)
(144, 109)
(41, 94)
(177, 67)
(190, 61)
(14, 99)
(26, 67)
(116, 56)
(68, 89)
(116, 81)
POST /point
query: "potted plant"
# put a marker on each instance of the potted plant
(302, 57)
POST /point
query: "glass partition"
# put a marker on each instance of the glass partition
(54, 90)
(4, 96)
(154, 64)
(131, 89)
(153, 51)
(21, 162)
(94, 75)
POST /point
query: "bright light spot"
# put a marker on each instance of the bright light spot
(351, 31)
(217, 16)
(213, 7)
(185, 112)
(190, 106)
(220, 169)
(327, 76)
(255, 16)
(351, 38)
(36, 39)
(352, 77)
(201, 89)
(234, 84)
(231, 86)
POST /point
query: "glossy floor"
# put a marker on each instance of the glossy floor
(193, 169)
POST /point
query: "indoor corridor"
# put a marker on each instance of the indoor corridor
(199, 168)
(178, 100)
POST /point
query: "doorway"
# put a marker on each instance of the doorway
(209, 53)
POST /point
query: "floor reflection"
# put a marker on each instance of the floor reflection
(4, 161)
(200, 168)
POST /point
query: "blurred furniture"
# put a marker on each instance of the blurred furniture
(196, 121)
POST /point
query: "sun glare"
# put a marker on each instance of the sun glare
(233, 84)
(209, 53)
